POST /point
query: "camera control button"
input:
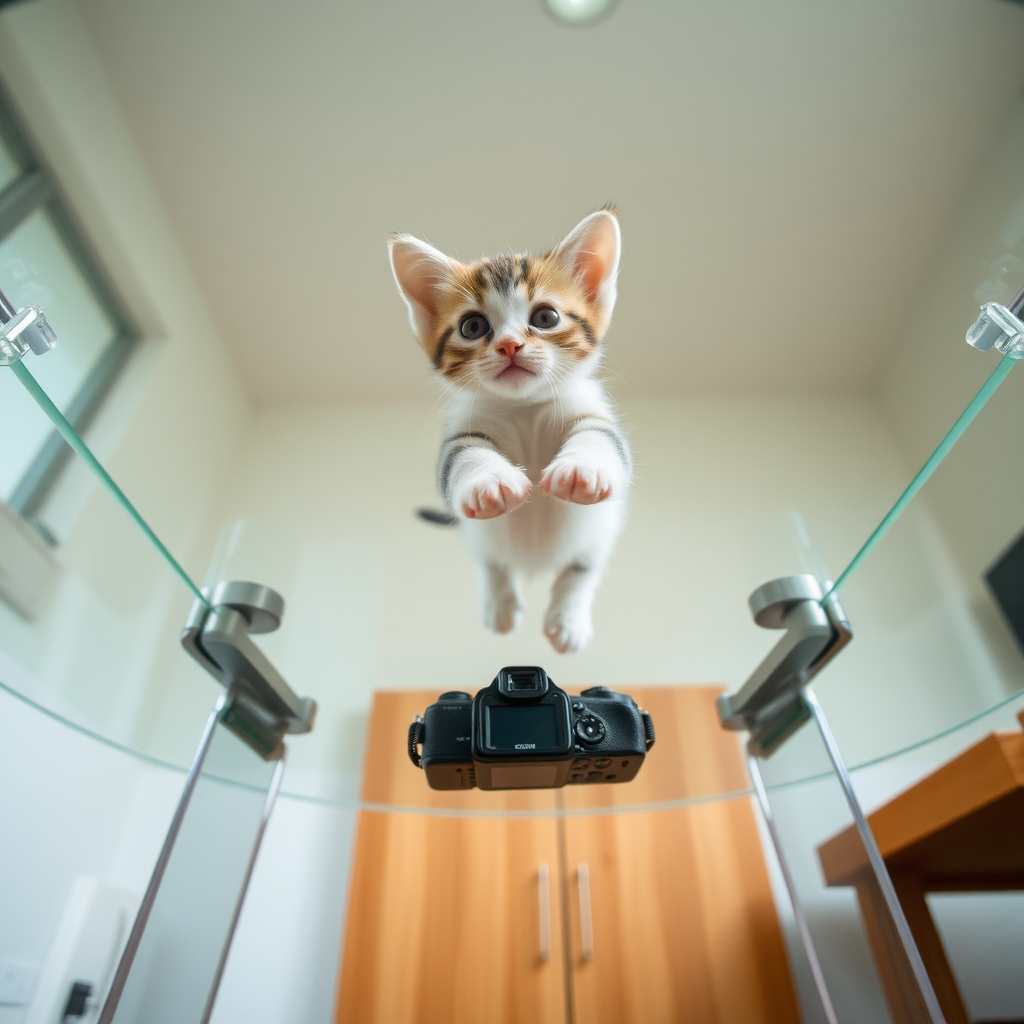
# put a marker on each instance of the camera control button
(582, 762)
(577, 706)
(595, 775)
(590, 729)
(603, 762)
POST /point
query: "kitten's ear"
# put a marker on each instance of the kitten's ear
(591, 252)
(420, 270)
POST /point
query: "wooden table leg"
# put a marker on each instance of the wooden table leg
(901, 992)
(911, 895)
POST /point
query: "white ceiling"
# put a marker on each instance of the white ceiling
(785, 171)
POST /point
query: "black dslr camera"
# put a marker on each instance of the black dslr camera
(523, 732)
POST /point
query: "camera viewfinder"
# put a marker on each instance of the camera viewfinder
(525, 681)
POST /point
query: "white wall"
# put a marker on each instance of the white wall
(70, 807)
(379, 599)
(73, 807)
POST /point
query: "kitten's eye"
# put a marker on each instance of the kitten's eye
(544, 317)
(474, 326)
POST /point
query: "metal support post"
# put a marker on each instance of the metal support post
(771, 706)
(798, 912)
(928, 1009)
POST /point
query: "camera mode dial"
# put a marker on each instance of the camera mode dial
(590, 729)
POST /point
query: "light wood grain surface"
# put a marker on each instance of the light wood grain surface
(964, 820)
(684, 923)
(444, 923)
(961, 828)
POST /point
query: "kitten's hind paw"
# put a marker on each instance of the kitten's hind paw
(568, 629)
(492, 494)
(503, 615)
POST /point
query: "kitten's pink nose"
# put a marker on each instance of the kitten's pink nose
(509, 347)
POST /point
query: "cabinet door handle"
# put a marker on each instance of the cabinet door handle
(586, 918)
(544, 896)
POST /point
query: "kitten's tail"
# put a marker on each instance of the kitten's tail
(436, 516)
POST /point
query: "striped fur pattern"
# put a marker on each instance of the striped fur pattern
(533, 464)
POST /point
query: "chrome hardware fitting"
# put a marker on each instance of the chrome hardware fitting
(218, 635)
(769, 705)
(997, 328)
(26, 331)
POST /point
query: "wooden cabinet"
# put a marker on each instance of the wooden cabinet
(444, 922)
(682, 918)
(446, 913)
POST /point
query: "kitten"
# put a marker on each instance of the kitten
(532, 465)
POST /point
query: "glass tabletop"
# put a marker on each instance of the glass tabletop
(931, 656)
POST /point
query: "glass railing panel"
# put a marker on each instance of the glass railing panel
(331, 644)
(981, 935)
(931, 646)
(363, 615)
(178, 947)
(92, 607)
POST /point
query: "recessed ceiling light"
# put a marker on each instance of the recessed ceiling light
(577, 12)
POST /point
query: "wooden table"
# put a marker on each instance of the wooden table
(961, 829)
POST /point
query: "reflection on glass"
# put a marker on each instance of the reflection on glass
(180, 954)
(9, 169)
(37, 269)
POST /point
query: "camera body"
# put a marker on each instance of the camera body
(524, 732)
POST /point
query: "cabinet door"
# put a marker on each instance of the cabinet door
(448, 920)
(681, 913)
(681, 921)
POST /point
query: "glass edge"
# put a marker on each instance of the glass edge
(444, 812)
(68, 432)
(33, 489)
(963, 421)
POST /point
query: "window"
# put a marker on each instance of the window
(44, 261)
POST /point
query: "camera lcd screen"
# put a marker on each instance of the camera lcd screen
(526, 727)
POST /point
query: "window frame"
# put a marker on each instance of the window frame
(36, 189)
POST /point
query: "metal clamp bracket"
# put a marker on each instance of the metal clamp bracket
(999, 328)
(23, 332)
(769, 704)
(218, 635)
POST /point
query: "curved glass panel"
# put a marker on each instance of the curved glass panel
(91, 608)
(916, 659)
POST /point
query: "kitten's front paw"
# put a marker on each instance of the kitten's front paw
(568, 628)
(493, 494)
(572, 480)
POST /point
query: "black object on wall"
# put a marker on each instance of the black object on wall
(1006, 582)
